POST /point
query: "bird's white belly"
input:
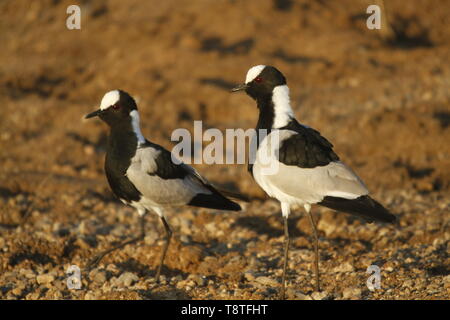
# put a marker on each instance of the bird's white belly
(267, 165)
(274, 191)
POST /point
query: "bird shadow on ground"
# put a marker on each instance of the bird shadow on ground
(261, 226)
(8, 226)
(142, 270)
(216, 247)
(32, 256)
(165, 293)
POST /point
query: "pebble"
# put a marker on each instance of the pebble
(352, 293)
(151, 238)
(185, 239)
(128, 278)
(319, 295)
(185, 284)
(28, 273)
(185, 226)
(326, 226)
(112, 268)
(17, 291)
(249, 276)
(82, 244)
(298, 295)
(408, 284)
(90, 296)
(97, 276)
(266, 281)
(211, 227)
(344, 267)
(176, 279)
(45, 278)
(198, 280)
(89, 150)
(162, 279)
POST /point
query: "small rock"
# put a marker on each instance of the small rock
(326, 226)
(90, 296)
(198, 280)
(45, 278)
(127, 279)
(408, 284)
(182, 284)
(295, 294)
(17, 291)
(211, 227)
(352, 293)
(97, 276)
(185, 239)
(28, 273)
(176, 279)
(57, 295)
(89, 150)
(345, 267)
(266, 281)
(249, 276)
(319, 295)
(185, 226)
(112, 268)
(82, 244)
(162, 279)
(33, 296)
(151, 238)
(60, 285)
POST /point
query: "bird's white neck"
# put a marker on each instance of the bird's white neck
(282, 106)
(136, 128)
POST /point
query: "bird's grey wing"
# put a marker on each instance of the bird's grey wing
(162, 181)
(313, 184)
(310, 184)
(310, 172)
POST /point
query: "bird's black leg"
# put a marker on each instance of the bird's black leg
(286, 251)
(316, 248)
(166, 245)
(96, 260)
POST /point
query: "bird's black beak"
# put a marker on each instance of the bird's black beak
(240, 87)
(94, 114)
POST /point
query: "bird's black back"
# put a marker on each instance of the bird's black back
(306, 149)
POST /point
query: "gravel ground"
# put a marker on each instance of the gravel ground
(383, 102)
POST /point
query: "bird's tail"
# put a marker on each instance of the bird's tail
(363, 206)
(214, 201)
(234, 195)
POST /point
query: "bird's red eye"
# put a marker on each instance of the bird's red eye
(258, 79)
(116, 106)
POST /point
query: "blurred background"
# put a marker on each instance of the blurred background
(380, 96)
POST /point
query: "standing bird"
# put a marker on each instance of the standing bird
(142, 174)
(307, 171)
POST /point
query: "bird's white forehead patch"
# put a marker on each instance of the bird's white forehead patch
(109, 99)
(253, 72)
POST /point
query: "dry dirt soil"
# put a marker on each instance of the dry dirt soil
(382, 98)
